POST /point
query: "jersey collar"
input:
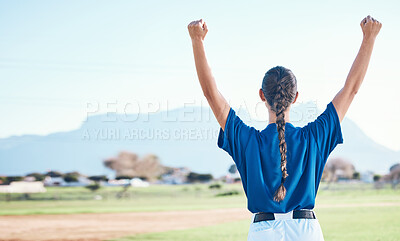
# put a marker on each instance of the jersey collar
(272, 126)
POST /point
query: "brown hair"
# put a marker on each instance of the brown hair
(280, 87)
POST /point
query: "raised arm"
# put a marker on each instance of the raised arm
(220, 107)
(370, 28)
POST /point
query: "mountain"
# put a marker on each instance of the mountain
(185, 136)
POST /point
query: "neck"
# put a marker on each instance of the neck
(272, 116)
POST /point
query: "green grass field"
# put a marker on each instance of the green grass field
(345, 212)
(362, 223)
(63, 200)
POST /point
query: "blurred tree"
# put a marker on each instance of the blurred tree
(393, 177)
(11, 179)
(98, 178)
(3, 180)
(377, 177)
(215, 186)
(196, 177)
(69, 177)
(123, 177)
(356, 176)
(54, 174)
(93, 187)
(232, 169)
(337, 168)
(37, 176)
(228, 193)
(128, 164)
(75, 173)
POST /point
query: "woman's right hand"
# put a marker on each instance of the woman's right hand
(198, 29)
(370, 27)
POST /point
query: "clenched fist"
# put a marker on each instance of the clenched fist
(197, 29)
(370, 27)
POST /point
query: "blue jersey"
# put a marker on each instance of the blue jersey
(257, 157)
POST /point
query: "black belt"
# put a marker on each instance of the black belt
(262, 216)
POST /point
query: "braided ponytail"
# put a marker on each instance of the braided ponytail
(280, 124)
(279, 88)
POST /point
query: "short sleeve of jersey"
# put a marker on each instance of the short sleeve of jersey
(234, 138)
(327, 131)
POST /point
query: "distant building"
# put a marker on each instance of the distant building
(230, 178)
(29, 179)
(367, 177)
(137, 182)
(59, 181)
(120, 182)
(54, 181)
(23, 187)
(82, 181)
(175, 175)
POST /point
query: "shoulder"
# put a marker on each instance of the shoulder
(235, 120)
(328, 116)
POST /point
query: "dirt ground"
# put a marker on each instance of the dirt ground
(101, 226)
(110, 225)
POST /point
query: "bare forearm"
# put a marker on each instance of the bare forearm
(204, 73)
(345, 96)
(218, 104)
(360, 66)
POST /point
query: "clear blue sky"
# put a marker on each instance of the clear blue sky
(57, 56)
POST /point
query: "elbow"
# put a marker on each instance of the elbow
(209, 95)
(352, 90)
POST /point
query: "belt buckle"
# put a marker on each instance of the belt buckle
(283, 216)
